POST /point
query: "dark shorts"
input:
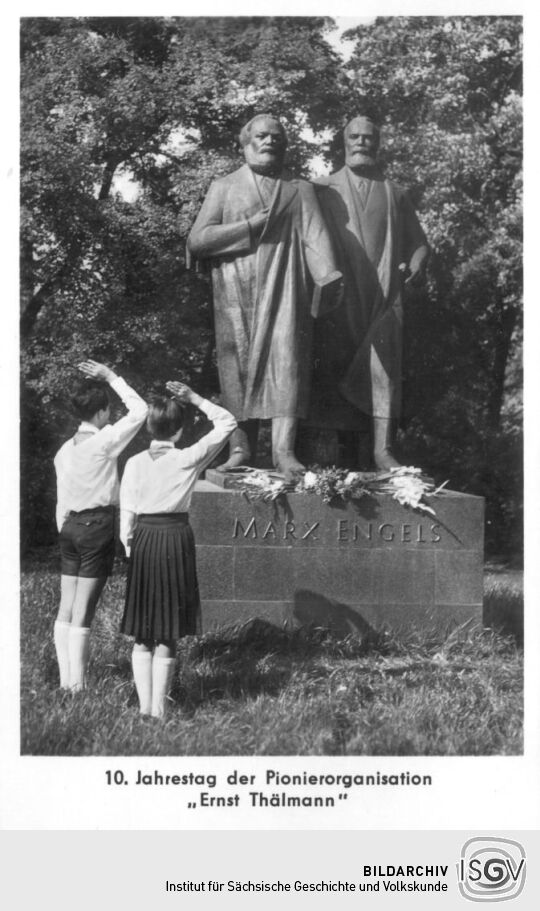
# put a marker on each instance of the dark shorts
(87, 543)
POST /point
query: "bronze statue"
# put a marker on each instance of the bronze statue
(380, 247)
(268, 246)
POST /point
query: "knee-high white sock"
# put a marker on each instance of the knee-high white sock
(141, 663)
(79, 652)
(61, 644)
(162, 674)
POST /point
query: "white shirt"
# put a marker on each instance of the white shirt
(86, 472)
(165, 483)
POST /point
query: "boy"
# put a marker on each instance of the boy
(88, 490)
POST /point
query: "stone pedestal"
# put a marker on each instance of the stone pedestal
(370, 563)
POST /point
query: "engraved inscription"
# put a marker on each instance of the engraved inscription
(272, 530)
(289, 530)
(347, 531)
(310, 531)
(404, 533)
(239, 528)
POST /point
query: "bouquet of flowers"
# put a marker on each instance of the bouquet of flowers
(262, 485)
(407, 485)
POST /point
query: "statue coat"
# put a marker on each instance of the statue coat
(263, 289)
(358, 349)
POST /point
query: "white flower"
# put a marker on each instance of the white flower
(310, 480)
(258, 480)
(275, 488)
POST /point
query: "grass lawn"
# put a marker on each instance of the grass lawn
(259, 690)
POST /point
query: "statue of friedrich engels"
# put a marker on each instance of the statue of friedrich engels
(381, 250)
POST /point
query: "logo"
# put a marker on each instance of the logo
(491, 869)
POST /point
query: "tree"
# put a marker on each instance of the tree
(102, 97)
(160, 100)
(449, 93)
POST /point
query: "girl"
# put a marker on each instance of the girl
(162, 596)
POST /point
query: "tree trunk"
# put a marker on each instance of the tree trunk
(37, 300)
(108, 176)
(27, 274)
(503, 341)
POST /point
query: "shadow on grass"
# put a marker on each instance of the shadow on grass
(257, 658)
(237, 662)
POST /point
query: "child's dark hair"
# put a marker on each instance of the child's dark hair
(89, 397)
(165, 417)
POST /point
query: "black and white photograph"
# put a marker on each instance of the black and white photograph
(271, 386)
(271, 465)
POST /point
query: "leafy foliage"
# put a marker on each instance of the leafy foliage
(448, 91)
(154, 104)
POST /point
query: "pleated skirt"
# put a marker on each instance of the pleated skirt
(162, 593)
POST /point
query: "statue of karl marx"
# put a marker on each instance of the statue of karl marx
(268, 248)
